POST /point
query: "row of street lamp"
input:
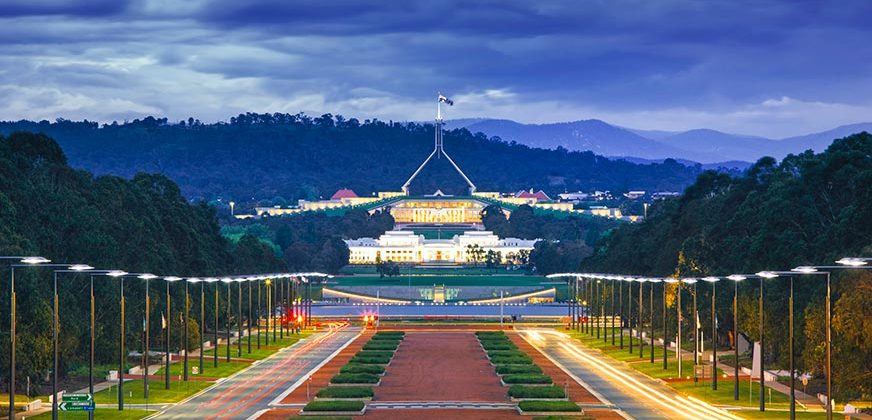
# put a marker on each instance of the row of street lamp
(284, 288)
(591, 287)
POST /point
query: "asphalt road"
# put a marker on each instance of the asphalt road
(249, 391)
(634, 394)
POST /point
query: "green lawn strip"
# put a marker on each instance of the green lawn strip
(559, 406)
(521, 391)
(800, 415)
(265, 351)
(99, 413)
(224, 368)
(375, 353)
(511, 360)
(526, 378)
(370, 360)
(518, 369)
(354, 378)
(358, 368)
(334, 406)
(724, 394)
(133, 392)
(345, 392)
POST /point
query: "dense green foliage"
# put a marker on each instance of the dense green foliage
(807, 209)
(370, 360)
(381, 345)
(511, 360)
(345, 392)
(522, 391)
(520, 369)
(288, 157)
(312, 241)
(140, 225)
(567, 240)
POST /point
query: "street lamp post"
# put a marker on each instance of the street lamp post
(146, 277)
(612, 284)
(120, 276)
(736, 278)
(666, 326)
(639, 324)
(168, 280)
(259, 312)
(28, 261)
(239, 317)
(227, 281)
(629, 281)
(621, 310)
(713, 281)
(695, 315)
(651, 315)
(248, 324)
(695, 334)
(185, 337)
(772, 275)
(202, 318)
(215, 329)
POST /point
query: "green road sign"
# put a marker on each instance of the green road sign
(76, 402)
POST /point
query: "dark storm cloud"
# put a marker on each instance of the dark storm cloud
(634, 62)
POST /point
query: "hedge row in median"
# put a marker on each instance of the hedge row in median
(355, 378)
(527, 378)
(371, 369)
(518, 369)
(550, 391)
(334, 406)
(345, 392)
(549, 406)
(369, 363)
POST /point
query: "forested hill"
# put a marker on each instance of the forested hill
(808, 209)
(295, 156)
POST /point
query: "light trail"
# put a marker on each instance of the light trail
(685, 407)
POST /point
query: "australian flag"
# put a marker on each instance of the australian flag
(444, 99)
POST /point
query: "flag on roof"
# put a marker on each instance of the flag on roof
(443, 98)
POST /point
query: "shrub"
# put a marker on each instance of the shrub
(527, 378)
(381, 345)
(375, 353)
(345, 392)
(548, 406)
(521, 391)
(506, 353)
(518, 369)
(386, 338)
(395, 334)
(498, 346)
(334, 406)
(511, 360)
(354, 378)
(370, 360)
(371, 369)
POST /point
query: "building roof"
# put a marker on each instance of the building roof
(538, 195)
(343, 193)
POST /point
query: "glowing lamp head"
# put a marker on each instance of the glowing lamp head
(116, 273)
(146, 276)
(805, 269)
(35, 260)
(767, 274)
(710, 279)
(688, 280)
(852, 262)
(81, 267)
(736, 277)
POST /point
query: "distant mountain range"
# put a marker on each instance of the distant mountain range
(710, 147)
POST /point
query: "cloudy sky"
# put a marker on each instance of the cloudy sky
(772, 68)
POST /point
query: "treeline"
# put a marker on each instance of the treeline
(566, 240)
(807, 209)
(140, 225)
(313, 241)
(282, 157)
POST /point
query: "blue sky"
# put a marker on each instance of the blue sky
(771, 68)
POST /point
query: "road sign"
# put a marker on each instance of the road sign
(76, 402)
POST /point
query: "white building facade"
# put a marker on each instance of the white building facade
(406, 247)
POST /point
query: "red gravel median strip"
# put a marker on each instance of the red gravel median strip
(440, 366)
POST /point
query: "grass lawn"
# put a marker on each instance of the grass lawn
(780, 415)
(256, 354)
(224, 368)
(447, 280)
(100, 413)
(133, 391)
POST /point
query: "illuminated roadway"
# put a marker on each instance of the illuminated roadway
(253, 389)
(634, 394)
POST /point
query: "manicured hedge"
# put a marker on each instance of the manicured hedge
(354, 378)
(370, 360)
(548, 406)
(334, 406)
(521, 391)
(345, 392)
(511, 360)
(518, 369)
(488, 346)
(481, 334)
(386, 338)
(396, 334)
(375, 353)
(541, 418)
(527, 378)
(372, 369)
(506, 353)
(381, 345)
